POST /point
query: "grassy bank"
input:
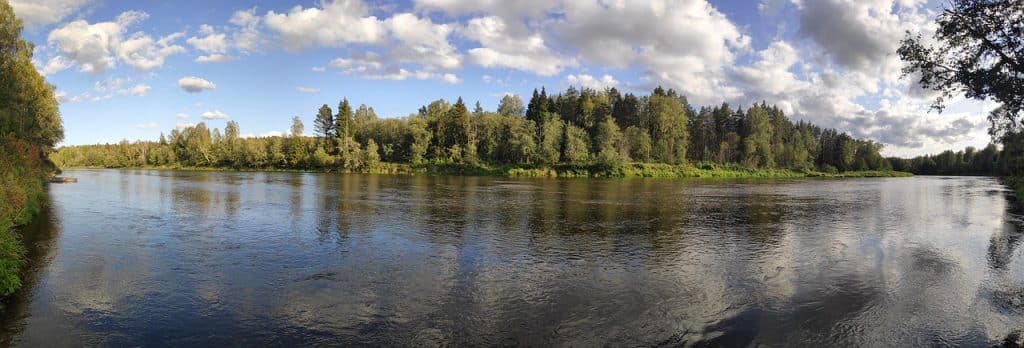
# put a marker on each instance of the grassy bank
(633, 170)
(23, 175)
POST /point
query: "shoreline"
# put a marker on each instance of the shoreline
(636, 170)
(25, 192)
(1016, 183)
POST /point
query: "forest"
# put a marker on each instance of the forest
(30, 126)
(580, 131)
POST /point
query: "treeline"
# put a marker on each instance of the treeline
(599, 130)
(30, 125)
(988, 161)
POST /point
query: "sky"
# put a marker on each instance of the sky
(134, 69)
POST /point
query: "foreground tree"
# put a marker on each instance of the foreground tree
(978, 52)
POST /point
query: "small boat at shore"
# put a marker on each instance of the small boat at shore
(63, 180)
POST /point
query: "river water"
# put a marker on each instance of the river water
(162, 258)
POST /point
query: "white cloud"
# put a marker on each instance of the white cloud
(182, 125)
(150, 125)
(771, 74)
(687, 45)
(37, 13)
(143, 53)
(589, 81)
(214, 58)
(194, 84)
(503, 8)
(862, 35)
(214, 115)
(98, 47)
(141, 90)
(246, 35)
(335, 24)
(503, 47)
(451, 78)
(61, 96)
(423, 42)
(215, 45)
(310, 90)
(212, 42)
(55, 65)
(318, 69)
(110, 85)
(363, 62)
(181, 116)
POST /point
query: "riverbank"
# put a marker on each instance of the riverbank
(23, 173)
(1017, 184)
(633, 170)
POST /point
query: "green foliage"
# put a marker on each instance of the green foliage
(988, 161)
(323, 124)
(30, 125)
(511, 105)
(757, 147)
(575, 145)
(1017, 184)
(583, 138)
(979, 52)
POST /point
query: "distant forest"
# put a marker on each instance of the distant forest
(600, 130)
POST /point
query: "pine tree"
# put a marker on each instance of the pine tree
(323, 125)
(343, 121)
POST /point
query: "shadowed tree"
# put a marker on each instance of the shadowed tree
(978, 52)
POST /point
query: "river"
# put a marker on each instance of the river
(165, 258)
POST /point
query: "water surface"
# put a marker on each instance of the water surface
(126, 258)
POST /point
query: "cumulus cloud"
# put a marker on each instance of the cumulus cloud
(211, 42)
(861, 35)
(215, 45)
(55, 65)
(371, 65)
(194, 84)
(183, 125)
(503, 47)
(589, 81)
(318, 69)
(246, 35)
(687, 45)
(336, 24)
(181, 116)
(37, 13)
(503, 8)
(310, 90)
(141, 90)
(772, 75)
(99, 46)
(409, 41)
(214, 115)
(423, 42)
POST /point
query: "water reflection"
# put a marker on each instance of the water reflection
(147, 257)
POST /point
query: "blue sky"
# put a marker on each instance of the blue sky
(133, 69)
